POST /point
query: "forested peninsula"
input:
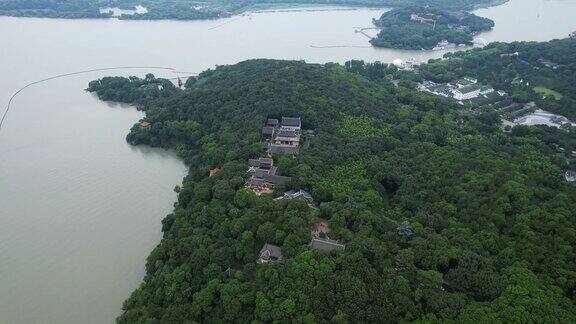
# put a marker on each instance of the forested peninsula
(440, 214)
(423, 28)
(192, 9)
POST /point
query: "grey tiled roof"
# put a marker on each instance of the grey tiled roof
(288, 134)
(293, 194)
(270, 251)
(254, 162)
(272, 122)
(278, 149)
(261, 173)
(291, 121)
(265, 163)
(276, 179)
(268, 130)
(326, 245)
(255, 182)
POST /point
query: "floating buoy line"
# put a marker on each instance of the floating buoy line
(15, 94)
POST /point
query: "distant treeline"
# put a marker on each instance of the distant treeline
(189, 9)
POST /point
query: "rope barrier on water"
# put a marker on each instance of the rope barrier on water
(224, 23)
(340, 46)
(71, 74)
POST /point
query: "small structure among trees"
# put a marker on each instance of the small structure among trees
(320, 228)
(230, 272)
(214, 172)
(570, 176)
(270, 254)
(299, 194)
(326, 245)
(405, 229)
(145, 125)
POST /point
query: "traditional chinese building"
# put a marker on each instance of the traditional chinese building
(270, 254)
(285, 138)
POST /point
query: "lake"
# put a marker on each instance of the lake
(80, 209)
(530, 20)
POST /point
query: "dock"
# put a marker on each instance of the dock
(363, 31)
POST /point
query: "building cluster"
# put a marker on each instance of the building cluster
(410, 64)
(463, 89)
(278, 138)
(444, 44)
(548, 63)
(530, 116)
(423, 18)
(273, 254)
(262, 175)
(282, 137)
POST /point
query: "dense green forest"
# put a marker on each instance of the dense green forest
(418, 28)
(192, 9)
(157, 9)
(492, 219)
(520, 68)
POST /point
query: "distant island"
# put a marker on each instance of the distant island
(424, 28)
(191, 9)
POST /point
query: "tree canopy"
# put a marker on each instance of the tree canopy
(492, 221)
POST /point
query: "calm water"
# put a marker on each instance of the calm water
(531, 20)
(79, 208)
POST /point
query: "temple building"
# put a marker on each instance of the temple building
(270, 254)
(282, 137)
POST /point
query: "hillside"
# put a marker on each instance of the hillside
(418, 28)
(444, 216)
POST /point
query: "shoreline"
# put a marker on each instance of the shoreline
(494, 3)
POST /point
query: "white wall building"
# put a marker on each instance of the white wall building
(463, 94)
(486, 91)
